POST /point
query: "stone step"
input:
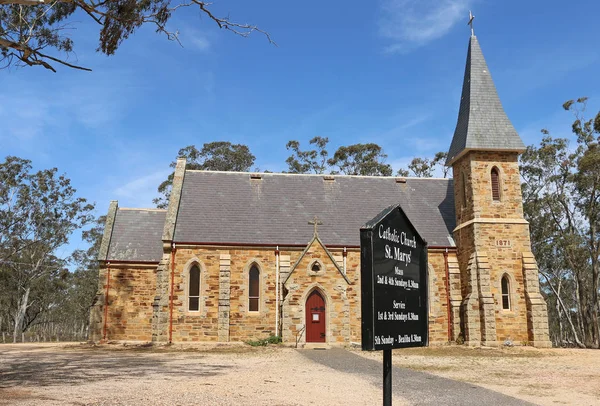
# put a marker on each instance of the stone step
(317, 346)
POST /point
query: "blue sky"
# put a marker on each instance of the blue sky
(386, 71)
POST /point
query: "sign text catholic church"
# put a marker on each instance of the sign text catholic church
(393, 283)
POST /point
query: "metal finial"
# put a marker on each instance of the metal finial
(315, 222)
(471, 18)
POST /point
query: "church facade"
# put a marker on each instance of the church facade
(244, 256)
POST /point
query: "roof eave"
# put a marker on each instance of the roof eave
(462, 153)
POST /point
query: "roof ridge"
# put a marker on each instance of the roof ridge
(312, 174)
(140, 209)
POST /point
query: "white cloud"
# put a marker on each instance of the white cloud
(32, 110)
(200, 43)
(140, 191)
(412, 23)
(195, 39)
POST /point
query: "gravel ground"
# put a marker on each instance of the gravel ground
(418, 388)
(51, 374)
(540, 376)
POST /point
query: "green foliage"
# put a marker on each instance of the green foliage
(360, 159)
(425, 167)
(265, 341)
(83, 281)
(312, 161)
(214, 156)
(38, 212)
(28, 28)
(561, 193)
(357, 159)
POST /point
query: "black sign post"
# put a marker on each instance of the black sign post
(393, 288)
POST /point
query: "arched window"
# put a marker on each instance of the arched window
(194, 289)
(505, 293)
(254, 291)
(495, 184)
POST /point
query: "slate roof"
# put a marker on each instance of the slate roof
(230, 207)
(137, 235)
(482, 122)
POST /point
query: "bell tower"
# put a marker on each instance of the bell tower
(499, 274)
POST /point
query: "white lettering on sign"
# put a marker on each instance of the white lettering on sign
(393, 236)
(503, 243)
(405, 338)
(397, 255)
(399, 305)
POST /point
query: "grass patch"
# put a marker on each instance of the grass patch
(149, 348)
(427, 368)
(265, 341)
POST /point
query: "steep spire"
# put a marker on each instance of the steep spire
(482, 123)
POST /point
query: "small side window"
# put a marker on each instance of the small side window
(505, 293)
(194, 289)
(254, 292)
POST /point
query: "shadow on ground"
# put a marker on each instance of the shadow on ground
(418, 388)
(54, 366)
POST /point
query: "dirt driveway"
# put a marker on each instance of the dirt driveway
(228, 375)
(241, 375)
(545, 377)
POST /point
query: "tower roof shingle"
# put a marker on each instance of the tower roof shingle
(482, 123)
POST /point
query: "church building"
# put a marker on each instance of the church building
(244, 256)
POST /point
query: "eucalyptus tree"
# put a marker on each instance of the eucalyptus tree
(214, 156)
(37, 32)
(561, 192)
(357, 159)
(309, 161)
(38, 212)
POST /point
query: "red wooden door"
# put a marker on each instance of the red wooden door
(315, 318)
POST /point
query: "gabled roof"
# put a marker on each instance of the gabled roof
(234, 207)
(136, 235)
(482, 123)
(317, 240)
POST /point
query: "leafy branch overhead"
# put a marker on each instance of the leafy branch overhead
(35, 32)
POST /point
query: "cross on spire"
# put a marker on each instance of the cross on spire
(471, 18)
(315, 222)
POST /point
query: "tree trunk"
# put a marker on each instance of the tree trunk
(559, 315)
(20, 316)
(583, 308)
(558, 298)
(595, 301)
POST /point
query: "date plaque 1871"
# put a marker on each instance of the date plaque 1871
(393, 283)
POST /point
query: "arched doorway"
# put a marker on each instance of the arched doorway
(315, 318)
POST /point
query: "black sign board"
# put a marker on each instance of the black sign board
(393, 283)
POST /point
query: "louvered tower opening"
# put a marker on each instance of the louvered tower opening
(495, 184)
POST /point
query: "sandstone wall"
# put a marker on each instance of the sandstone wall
(223, 313)
(492, 237)
(130, 296)
(438, 298)
(334, 288)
